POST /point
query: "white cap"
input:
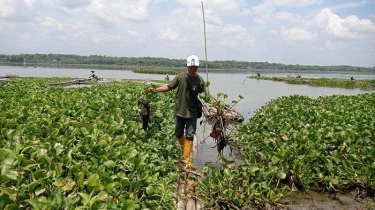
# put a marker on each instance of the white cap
(192, 60)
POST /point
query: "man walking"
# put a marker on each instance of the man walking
(189, 84)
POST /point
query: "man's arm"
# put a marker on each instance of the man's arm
(161, 88)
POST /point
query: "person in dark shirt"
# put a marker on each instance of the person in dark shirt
(188, 84)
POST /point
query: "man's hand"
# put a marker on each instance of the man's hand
(161, 88)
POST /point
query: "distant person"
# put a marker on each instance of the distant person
(189, 84)
(299, 76)
(258, 74)
(167, 77)
(351, 78)
(93, 76)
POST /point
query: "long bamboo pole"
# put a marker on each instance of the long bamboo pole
(205, 43)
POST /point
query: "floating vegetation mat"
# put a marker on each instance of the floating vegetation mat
(367, 84)
(296, 143)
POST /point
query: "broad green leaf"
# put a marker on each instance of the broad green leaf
(4, 153)
(85, 198)
(132, 153)
(93, 180)
(39, 191)
(8, 161)
(11, 207)
(128, 205)
(281, 175)
(8, 172)
(39, 174)
(102, 196)
(109, 163)
(84, 131)
(125, 182)
(150, 190)
(79, 178)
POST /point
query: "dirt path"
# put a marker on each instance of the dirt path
(324, 201)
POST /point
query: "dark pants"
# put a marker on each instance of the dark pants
(189, 124)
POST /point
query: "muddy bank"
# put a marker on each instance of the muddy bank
(324, 201)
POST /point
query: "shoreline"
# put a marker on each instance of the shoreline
(202, 68)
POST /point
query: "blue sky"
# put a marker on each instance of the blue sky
(306, 32)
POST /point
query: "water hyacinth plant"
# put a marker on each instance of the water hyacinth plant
(84, 148)
(298, 143)
(67, 148)
(366, 84)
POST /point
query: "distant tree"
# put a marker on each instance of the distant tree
(164, 62)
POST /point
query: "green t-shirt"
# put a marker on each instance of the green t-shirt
(184, 105)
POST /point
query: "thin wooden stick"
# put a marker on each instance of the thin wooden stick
(192, 172)
(205, 42)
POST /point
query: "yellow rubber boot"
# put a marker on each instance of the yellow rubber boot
(187, 149)
(181, 141)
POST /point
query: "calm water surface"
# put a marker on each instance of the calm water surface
(256, 93)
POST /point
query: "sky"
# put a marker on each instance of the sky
(305, 32)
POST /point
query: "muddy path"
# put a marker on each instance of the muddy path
(324, 201)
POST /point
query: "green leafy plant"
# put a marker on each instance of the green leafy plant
(366, 84)
(84, 147)
(297, 143)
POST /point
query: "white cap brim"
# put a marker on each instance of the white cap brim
(193, 64)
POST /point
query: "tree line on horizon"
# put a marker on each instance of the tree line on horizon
(71, 59)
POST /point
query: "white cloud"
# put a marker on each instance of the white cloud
(334, 45)
(356, 24)
(287, 16)
(245, 12)
(7, 8)
(133, 37)
(292, 3)
(350, 4)
(136, 33)
(169, 34)
(110, 10)
(235, 35)
(190, 18)
(350, 27)
(48, 22)
(228, 42)
(29, 3)
(72, 4)
(237, 6)
(297, 34)
(5, 26)
(273, 31)
(96, 39)
(212, 18)
(264, 13)
(236, 29)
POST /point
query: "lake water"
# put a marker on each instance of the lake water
(256, 93)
